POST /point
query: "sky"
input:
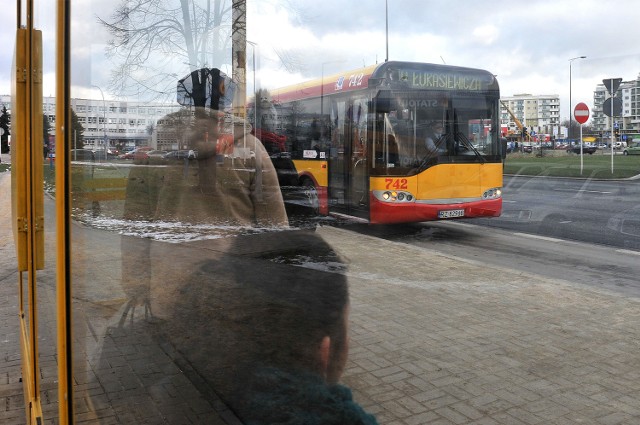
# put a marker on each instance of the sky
(528, 44)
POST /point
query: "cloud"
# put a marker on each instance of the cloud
(486, 34)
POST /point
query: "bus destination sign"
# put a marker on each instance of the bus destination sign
(444, 81)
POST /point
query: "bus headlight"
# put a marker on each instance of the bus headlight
(493, 193)
(394, 196)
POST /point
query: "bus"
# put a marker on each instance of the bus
(357, 142)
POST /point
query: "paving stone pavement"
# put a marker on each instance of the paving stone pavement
(435, 339)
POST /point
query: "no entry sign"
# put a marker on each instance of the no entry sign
(581, 113)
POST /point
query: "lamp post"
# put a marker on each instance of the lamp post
(570, 62)
(104, 120)
(255, 91)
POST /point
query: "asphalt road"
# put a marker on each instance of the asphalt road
(594, 211)
(590, 264)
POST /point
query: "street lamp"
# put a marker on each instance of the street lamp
(570, 62)
(255, 95)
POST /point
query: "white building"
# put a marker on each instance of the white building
(119, 123)
(540, 112)
(629, 121)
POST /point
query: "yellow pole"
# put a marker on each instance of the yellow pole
(63, 214)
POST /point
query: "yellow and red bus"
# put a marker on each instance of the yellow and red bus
(359, 141)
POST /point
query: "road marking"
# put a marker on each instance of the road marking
(628, 251)
(582, 190)
(544, 238)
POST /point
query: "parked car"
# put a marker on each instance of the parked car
(82, 155)
(633, 149)
(586, 149)
(138, 153)
(156, 154)
(181, 154)
(111, 153)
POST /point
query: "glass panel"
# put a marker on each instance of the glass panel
(194, 296)
(204, 287)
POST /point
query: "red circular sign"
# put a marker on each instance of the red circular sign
(581, 113)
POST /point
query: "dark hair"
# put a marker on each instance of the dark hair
(291, 308)
(269, 311)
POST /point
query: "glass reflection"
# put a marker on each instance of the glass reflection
(191, 296)
(231, 318)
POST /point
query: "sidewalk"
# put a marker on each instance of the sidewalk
(434, 340)
(11, 398)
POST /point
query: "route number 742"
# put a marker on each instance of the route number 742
(396, 183)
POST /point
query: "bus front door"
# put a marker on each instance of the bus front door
(348, 180)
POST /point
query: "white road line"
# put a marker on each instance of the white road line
(544, 238)
(582, 190)
(627, 251)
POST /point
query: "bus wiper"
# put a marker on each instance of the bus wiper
(467, 143)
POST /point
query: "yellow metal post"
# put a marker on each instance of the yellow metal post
(28, 199)
(63, 213)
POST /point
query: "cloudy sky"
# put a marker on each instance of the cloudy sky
(528, 44)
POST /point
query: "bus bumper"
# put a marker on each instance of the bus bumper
(383, 212)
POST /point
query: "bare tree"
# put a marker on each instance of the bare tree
(155, 42)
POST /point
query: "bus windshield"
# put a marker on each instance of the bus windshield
(418, 129)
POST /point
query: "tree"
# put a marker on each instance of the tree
(574, 130)
(155, 42)
(46, 128)
(149, 37)
(77, 131)
(5, 124)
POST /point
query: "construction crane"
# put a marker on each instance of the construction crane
(523, 135)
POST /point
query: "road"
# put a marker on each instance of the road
(589, 264)
(586, 229)
(594, 211)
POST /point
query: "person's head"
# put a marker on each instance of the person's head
(297, 317)
(437, 128)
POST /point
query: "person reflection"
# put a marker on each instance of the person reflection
(273, 336)
(270, 337)
(232, 195)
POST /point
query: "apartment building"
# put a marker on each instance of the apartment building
(540, 112)
(629, 121)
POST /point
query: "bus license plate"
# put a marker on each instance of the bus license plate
(450, 213)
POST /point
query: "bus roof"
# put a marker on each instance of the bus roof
(411, 75)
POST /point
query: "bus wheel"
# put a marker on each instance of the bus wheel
(311, 195)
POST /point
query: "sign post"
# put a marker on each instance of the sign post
(581, 114)
(612, 106)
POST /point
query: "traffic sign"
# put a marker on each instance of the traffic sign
(617, 107)
(612, 85)
(581, 113)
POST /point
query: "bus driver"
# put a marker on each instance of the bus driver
(433, 142)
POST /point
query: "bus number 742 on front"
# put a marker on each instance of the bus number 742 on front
(397, 184)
